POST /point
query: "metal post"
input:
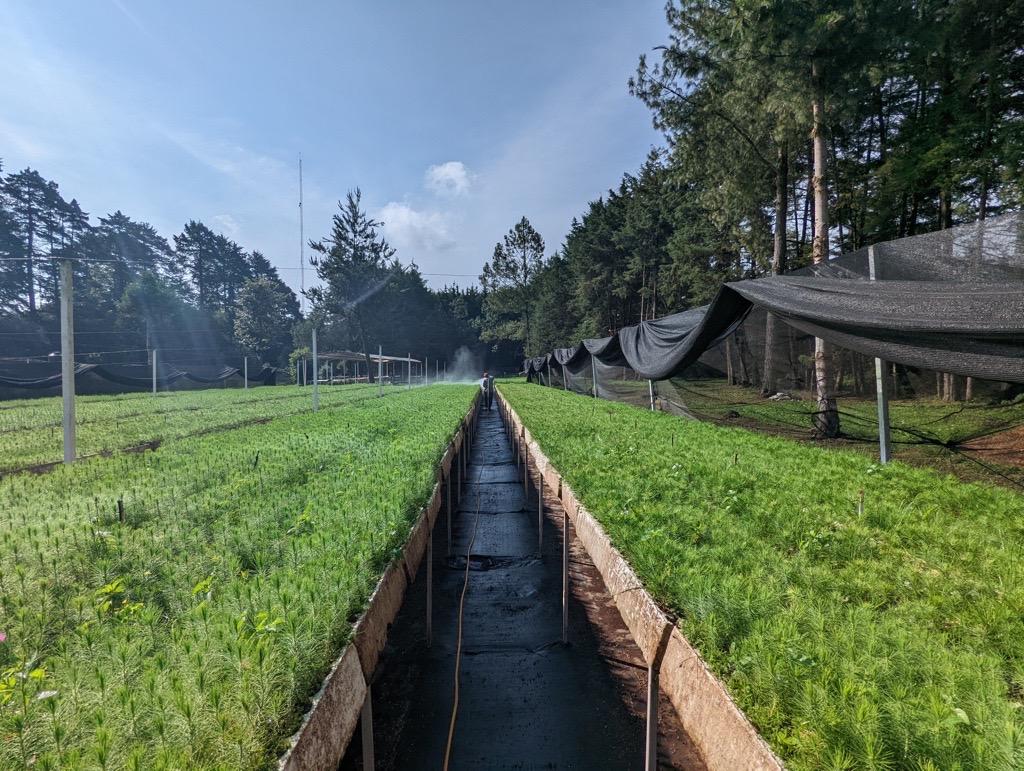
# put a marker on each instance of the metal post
(593, 373)
(430, 587)
(245, 372)
(565, 379)
(448, 509)
(651, 731)
(154, 371)
(408, 370)
(881, 385)
(316, 375)
(650, 388)
(67, 358)
(540, 513)
(330, 372)
(366, 719)
(565, 576)
(380, 370)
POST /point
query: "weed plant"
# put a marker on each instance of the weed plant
(863, 616)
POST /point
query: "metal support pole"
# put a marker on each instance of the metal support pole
(565, 379)
(430, 588)
(593, 374)
(366, 719)
(67, 358)
(565, 576)
(245, 372)
(448, 510)
(316, 375)
(408, 371)
(380, 370)
(651, 730)
(650, 389)
(881, 385)
(540, 513)
(330, 372)
(154, 371)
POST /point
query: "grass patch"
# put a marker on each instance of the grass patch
(190, 630)
(863, 616)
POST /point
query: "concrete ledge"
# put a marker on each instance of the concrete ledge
(330, 722)
(725, 736)
(328, 725)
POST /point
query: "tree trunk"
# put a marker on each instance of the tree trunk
(778, 265)
(827, 417)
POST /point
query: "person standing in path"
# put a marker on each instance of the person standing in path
(487, 386)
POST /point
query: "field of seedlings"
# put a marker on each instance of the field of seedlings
(178, 608)
(30, 429)
(863, 616)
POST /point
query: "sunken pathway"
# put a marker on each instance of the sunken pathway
(526, 700)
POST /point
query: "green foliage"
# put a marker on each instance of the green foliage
(191, 631)
(262, 306)
(30, 430)
(863, 616)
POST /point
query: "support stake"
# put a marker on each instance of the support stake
(367, 725)
(245, 372)
(430, 587)
(593, 374)
(154, 371)
(650, 390)
(565, 577)
(651, 729)
(540, 514)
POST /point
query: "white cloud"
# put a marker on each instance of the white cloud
(450, 178)
(413, 231)
(226, 225)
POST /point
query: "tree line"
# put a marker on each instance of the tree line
(794, 131)
(202, 298)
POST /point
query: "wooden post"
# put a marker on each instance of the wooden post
(316, 379)
(67, 358)
(881, 385)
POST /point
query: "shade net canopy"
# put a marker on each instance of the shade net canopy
(943, 313)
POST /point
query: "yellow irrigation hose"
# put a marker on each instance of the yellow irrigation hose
(458, 642)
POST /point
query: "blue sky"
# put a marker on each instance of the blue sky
(455, 118)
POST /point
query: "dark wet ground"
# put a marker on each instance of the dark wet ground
(526, 700)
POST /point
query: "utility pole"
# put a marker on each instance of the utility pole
(67, 358)
(302, 247)
(316, 379)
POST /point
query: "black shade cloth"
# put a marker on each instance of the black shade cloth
(961, 312)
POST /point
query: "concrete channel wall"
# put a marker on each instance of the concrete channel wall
(331, 720)
(724, 735)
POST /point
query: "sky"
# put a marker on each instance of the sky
(455, 117)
